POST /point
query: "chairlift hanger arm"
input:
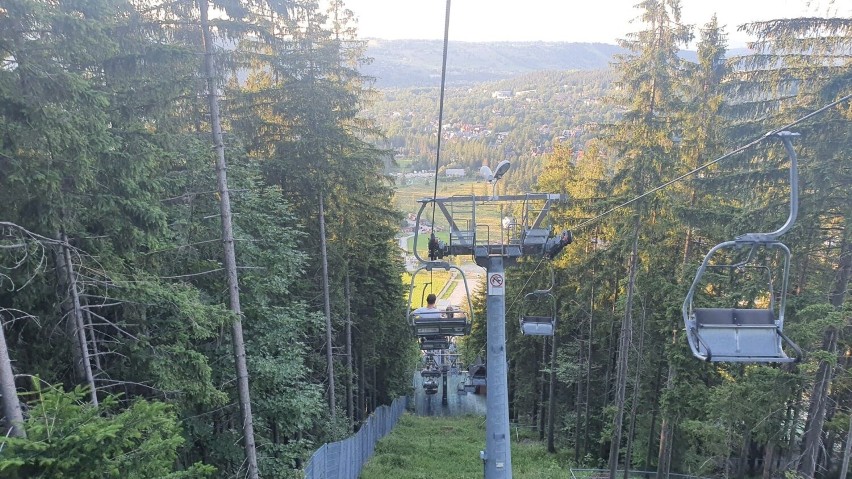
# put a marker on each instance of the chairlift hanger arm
(785, 137)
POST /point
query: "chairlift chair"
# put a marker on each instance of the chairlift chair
(432, 343)
(748, 335)
(461, 390)
(430, 373)
(430, 386)
(444, 323)
(478, 375)
(543, 304)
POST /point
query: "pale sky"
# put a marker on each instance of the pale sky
(562, 20)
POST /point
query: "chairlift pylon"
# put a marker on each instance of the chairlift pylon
(749, 335)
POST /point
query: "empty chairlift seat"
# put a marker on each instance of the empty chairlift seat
(738, 335)
(537, 325)
(752, 335)
(477, 374)
(538, 312)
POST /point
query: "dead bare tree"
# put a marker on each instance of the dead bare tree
(228, 244)
(19, 248)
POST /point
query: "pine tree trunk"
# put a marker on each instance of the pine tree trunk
(350, 404)
(11, 405)
(819, 395)
(793, 428)
(666, 433)
(92, 338)
(542, 391)
(77, 317)
(228, 246)
(329, 338)
(586, 432)
(551, 396)
(654, 411)
(66, 309)
(847, 450)
(634, 404)
(578, 399)
(625, 340)
(742, 460)
(768, 457)
(362, 387)
(374, 397)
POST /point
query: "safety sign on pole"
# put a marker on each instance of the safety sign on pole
(496, 284)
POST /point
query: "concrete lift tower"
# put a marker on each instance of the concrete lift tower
(494, 250)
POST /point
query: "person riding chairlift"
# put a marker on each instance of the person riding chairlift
(430, 311)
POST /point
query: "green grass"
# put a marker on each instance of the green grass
(430, 447)
(423, 242)
(450, 289)
(407, 196)
(437, 277)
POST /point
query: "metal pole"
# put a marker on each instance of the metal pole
(498, 454)
(444, 386)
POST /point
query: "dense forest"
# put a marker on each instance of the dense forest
(617, 385)
(178, 180)
(164, 233)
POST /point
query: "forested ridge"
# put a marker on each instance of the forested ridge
(144, 337)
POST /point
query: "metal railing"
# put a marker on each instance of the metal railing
(345, 459)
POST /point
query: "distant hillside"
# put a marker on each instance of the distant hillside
(417, 63)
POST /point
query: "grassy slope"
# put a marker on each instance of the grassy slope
(439, 447)
(437, 277)
(406, 200)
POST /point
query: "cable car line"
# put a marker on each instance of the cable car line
(524, 287)
(752, 143)
(441, 109)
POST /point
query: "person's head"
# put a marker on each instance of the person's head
(430, 300)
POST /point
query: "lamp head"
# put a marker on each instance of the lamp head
(485, 171)
(501, 169)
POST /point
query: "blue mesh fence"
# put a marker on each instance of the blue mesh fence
(345, 459)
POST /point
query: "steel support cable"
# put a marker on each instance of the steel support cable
(717, 160)
(524, 287)
(441, 109)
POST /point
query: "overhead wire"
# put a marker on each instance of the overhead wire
(524, 287)
(441, 108)
(440, 126)
(713, 162)
(685, 175)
